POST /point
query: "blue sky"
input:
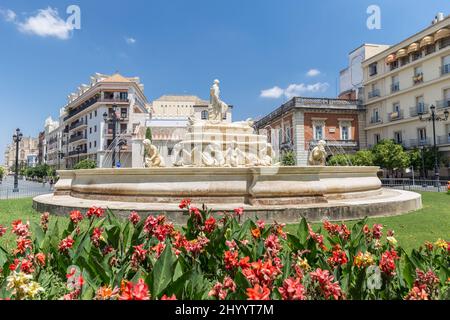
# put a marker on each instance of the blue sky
(179, 47)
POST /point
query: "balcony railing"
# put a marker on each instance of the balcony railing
(116, 99)
(373, 94)
(420, 108)
(443, 139)
(395, 87)
(419, 142)
(445, 69)
(441, 104)
(337, 143)
(77, 138)
(81, 107)
(397, 115)
(375, 119)
(75, 152)
(78, 124)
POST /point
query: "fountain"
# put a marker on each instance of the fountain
(228, 165)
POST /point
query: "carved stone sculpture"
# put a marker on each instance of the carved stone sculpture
(218, 108)
(318, 155)
(151, 155)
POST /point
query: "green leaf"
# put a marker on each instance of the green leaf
(162, 272)
(38, 234)
(303, 231)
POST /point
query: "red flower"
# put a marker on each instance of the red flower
(417, 293)
(40, 259)
(173, 297)
(76, 216)
(256, 233)
(94, 211)
(2, 230)
(134, 218)
(185, 203)
(258, 293)
(20, 229)
(195, 212)
(139, 255)
(210, 225)
(66, 244)
(138, 291)
(26, 266)
(96, 236)
(44, 220)
(230, 259)
(13, 266)
(272, 245)
(239, 211)
(376, 231)
(260, 272)
(327, 288)
(159, 248)
(23, 244)
(339, 257)
(292, 290)
(387, 262)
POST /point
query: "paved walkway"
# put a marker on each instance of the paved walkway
(26, 189)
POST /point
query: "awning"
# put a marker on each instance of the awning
(426, 41)
(401, 53)
(390, 58)
(413, 47)
(440, 34)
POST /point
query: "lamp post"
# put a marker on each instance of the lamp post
(60, 154)
(433, 118)
(17, 137)
(78, 149)
(113, 118)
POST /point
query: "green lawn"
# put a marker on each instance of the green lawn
(411, 230)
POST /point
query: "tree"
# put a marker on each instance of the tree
(288, 158)
(390, 155)
(340, 160)
(85, 164)
(2, 173)
(148, 134)
(363, 158)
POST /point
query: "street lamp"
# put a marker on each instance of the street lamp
(78, 149)
(114, 119)
(433, 118)
(17, 137)
(60, 156)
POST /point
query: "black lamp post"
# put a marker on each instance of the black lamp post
(78, 149)
(17, 137)
(113, 119)
(433, 118)
(60, 154)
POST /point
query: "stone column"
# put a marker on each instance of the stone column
(362, 134)
(137, 153)
(299, 138)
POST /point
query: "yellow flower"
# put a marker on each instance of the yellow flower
(392, 241)
(22, 287)
(303, 263)
(363, 260)
(441, 244)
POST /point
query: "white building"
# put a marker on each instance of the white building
(85, 132)
(52, 147)
(406, 80)
(169, 120)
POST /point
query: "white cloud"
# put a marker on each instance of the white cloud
(294, 90)
(8, 15)
(46, 23)
(273, 93)
(313, 73)
(130, 40)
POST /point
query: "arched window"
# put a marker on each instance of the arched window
(204, 115)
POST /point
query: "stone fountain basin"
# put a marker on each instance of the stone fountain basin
(274, 193)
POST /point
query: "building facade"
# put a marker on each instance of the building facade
(86, 134)
(403, 82)
(53, 155)
(301, 122)
(28, 153)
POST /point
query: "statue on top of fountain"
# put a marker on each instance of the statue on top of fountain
(217, 143)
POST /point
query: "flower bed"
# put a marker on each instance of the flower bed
(99, 256)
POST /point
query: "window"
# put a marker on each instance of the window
(404, 60)
(123, 127)
(418, 75)
(393, 65)
(375, 116)
(90, 145)
(376, 138)
(416, 55)
(123, 112)
(430, 49)
(398, 137)
(345, 133)
(422, 135)
(444, 43)
(224, 116)
(95, 113)
(204, 115)
(95, 128)
(319, 128)
(90, 130)
(446, 65)
(123, 95)
(95, 144)
(373, 69)
(169, 151)
(420, 105)
(396, 107)
(287, 133)
(395, 86)
(280, 137)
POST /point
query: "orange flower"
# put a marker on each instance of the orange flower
(256, 233)
(258, 293)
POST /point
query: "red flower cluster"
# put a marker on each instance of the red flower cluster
(164, 297)
(23, 244)
(426, 286)
(292, 289)
(66, 244)
(272, 244)
(258, 293)
(2, 230)
(139, 255)
(210, 225)
(131, 291)
(239, 212)
(96, 236)
(44, 221)
(263, 273)
(94, 211)
(318, 238)
(221, 290)
(185, 203)
(387, 262)
(337, 230)
(134, 218)
(339, 257)
(21, 229)
(76, 216)
(157, 227)
(327, 288)
(377, 231)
